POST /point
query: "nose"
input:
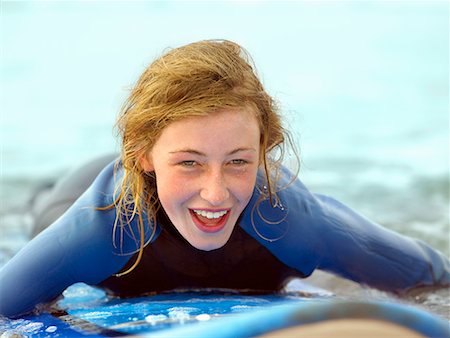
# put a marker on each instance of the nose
(214, 188)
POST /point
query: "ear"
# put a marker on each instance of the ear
(146, 163)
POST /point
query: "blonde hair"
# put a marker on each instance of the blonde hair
(193, 80)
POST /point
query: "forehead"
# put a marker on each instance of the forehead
(223, 129)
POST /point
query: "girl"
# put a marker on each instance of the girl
(199, 199)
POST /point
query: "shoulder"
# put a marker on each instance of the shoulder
(291, 200)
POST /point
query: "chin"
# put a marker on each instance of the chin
(211, 247)
(208, 246)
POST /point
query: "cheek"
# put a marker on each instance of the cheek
(172, 189)
(248, 192)
(244, 186)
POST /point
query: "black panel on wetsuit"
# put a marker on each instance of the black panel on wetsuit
(171, 262)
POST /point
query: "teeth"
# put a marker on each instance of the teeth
(209, 214)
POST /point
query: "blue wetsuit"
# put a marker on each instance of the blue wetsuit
(304, 232)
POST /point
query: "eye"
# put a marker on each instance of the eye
(238, 162)
(187, 164)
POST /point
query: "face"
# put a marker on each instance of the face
(205, 171)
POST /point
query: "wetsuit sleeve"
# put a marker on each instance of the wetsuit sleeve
(78, 247)
(307, 231)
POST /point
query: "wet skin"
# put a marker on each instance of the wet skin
(205, 171)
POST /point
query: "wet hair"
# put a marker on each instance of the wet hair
(193, 80)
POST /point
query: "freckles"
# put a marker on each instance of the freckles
(180, 187)
(179, 190)
(245, 186)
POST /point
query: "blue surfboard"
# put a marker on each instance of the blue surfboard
(86, 311)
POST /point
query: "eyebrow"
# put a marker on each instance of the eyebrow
(196, 152)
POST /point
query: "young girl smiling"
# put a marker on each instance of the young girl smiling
(199, 199)
(206, 178)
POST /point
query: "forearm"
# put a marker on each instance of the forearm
(308, 231)
(29, 278)
(373, 255)
(77, 247)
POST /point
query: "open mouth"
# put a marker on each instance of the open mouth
(209, 221)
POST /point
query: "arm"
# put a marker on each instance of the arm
(318, 232)
(78, 247)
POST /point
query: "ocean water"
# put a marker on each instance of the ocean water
(363, 86)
